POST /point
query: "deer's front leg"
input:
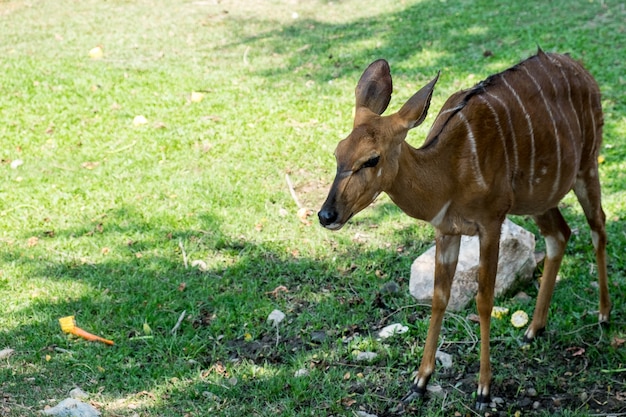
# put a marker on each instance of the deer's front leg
(447, 254)
(487, 268)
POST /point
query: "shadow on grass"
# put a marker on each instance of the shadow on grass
(225, 357)
(425, 37)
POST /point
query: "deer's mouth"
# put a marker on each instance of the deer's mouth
(336, 224)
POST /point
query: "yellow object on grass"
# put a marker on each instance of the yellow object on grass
(68, 325)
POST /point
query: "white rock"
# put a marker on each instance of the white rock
(444, 358)
(516, 263)
(365, 356)
(301, 372)
(364, 414)
(435, 391)
(392, 329)
(70, 407)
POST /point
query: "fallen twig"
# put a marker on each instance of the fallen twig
(182, 248)
(245, 56)
(292, 191)
(180, 320)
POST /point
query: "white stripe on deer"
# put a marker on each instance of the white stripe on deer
(557, 179)
(472, 141)
(531, 173)
(511, 131)
(500, 132)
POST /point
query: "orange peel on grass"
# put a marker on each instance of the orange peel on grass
(68, 325)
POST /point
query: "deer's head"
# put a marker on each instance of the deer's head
(367, 160)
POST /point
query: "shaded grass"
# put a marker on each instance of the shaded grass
(95, 220)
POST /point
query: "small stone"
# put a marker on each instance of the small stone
(435, 391)
(583, 397)
(444, 358)
(365, 356)
(209, 395)
(531, 392)
(498, 400)
(318, 336)
(364, 414)
(301, 372)
(536, 405)
(391, 287)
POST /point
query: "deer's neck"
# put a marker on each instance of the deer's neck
(422, 187)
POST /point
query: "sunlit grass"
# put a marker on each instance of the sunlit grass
(126, 225)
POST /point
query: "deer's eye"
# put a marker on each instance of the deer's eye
(372, 162)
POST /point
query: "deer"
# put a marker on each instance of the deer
(515, 143)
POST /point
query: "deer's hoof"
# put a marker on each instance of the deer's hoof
(482, 402)
(414, 393)
(604, 321)
(532, 335)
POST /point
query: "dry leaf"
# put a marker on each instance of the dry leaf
(140, 120)
(96, 53)
(617, 342)
(473, 317)
(202, 266)
(304, 214)
(196, 97)
(347, 401)
(576, 351)
(89, 164)
(32, 241)
(5, 353)
(182, 286)
(276, 291)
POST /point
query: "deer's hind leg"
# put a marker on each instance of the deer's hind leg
(556, 233)
(587, 190)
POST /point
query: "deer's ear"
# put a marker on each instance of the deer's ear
(374, 88)
(415, 110)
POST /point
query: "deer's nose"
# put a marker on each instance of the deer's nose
(327, 216)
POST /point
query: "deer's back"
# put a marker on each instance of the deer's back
(537, 124)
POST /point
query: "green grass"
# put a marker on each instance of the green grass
(99, 218)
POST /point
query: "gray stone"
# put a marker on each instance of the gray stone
(444, 358)
(71, 407)
(516, 263)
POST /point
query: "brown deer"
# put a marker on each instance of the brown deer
(515, 143)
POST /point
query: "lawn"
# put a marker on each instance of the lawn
(148, 151)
